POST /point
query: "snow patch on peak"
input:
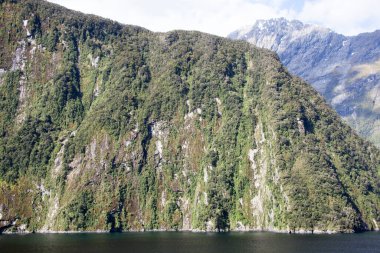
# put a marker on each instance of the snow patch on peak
(273, 32)
(340, 98)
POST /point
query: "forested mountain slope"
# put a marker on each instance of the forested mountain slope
(112, 127)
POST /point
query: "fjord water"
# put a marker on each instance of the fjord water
(186, 242)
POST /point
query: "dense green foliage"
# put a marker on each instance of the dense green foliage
(117, 128)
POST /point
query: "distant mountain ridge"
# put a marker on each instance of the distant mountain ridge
(345, 70)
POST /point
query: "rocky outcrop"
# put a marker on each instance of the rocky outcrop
(5, 224)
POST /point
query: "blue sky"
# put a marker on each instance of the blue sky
(221, 17)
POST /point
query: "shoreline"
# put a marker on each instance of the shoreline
(298, 232)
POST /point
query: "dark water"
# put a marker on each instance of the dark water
(189, 242)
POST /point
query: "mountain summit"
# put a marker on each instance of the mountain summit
(115, 128)
(345, 70)
(276, 34)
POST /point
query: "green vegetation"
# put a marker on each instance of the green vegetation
(124, 129)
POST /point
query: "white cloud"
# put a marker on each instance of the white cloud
(346, 17)
(224, 16)
(213, 16)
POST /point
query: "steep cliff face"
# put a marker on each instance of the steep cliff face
(345, 70)
(111, 127)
